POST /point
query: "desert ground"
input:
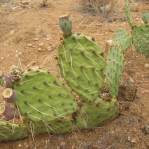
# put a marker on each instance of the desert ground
(30, 35)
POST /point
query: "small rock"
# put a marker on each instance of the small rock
(48, 39)
(137, 18)
(146, 129)
(109, 43)
(19, 145)
(49, 49)
(36, 39)
(40, 50)
(41, 44)
(29, 45)
(2, 58)
(12, 32)
(132, 140)
(146, 65)
(14, 8)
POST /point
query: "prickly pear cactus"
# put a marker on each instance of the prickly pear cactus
(96, 113)
(81, 63)
(140, 34)
(42, 99)
(47, 105)
(12, 131)
(122, 39)
(114, 69)
(115, 60)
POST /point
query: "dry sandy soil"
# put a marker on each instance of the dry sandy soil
(29, 36)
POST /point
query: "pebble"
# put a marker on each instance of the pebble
(146, 65)
(131, 80)
(14, 8)
(47, 39)
(49, 49)
(19, 145)
(39, 49)
(36, 39)
(2, 58)
(12, 32)
(41, 44)
(29, 45)
(132, 140)
(109, 43)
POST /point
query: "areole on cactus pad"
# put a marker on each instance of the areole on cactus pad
(86, 98)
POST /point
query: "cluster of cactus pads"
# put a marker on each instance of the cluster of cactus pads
(36, 102)
(140, 34)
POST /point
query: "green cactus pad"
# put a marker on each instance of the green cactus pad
(140, 35)
(42, 99)
(122, 39)
(12, 131)
(59, 126)
(114, 69)
(81, 64)
(96, 113)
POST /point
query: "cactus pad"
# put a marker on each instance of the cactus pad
(140, 36)
(81, 64)
(91, 115)
(114, 69)
(12, 131)
(122, 39)
(42, 99)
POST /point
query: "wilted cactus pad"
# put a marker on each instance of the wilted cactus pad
(141, 39)
(82, 65)
(42, 99)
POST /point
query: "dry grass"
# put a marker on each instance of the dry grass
(103, 7)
